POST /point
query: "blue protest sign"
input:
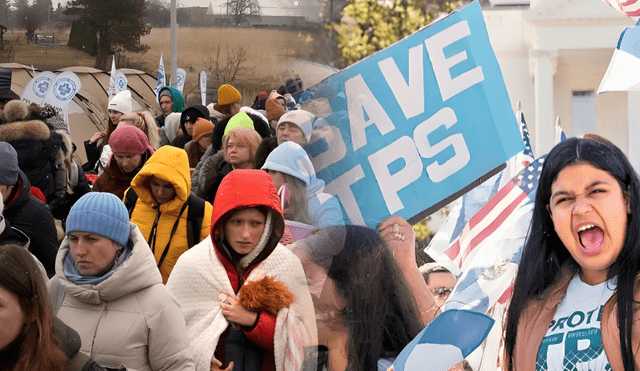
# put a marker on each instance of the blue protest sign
(414, 124)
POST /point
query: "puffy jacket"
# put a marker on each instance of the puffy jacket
(36, 145)
(33, 217)
(169, 164)
(209, 269)
(113, 180)
(128, 319)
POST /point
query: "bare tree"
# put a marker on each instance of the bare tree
(240, 10)
(228, 64)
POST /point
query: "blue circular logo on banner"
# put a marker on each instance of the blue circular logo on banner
(121, 83)
(180, 78)
(64, 89)
(40, 86)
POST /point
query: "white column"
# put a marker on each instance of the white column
(543, 65)
(633, 103)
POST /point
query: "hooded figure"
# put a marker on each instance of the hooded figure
(291, 159)
(170, 129)
(176, 97)
(38, 148)
(168, 164)
(218, 270)
(188, 119)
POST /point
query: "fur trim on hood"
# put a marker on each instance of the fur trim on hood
(24, 130)
(15, 110)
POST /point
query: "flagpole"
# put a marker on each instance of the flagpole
(174, 44)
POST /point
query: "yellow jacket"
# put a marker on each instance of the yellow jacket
(169, 164)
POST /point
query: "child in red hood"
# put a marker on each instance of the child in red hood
(220, 284)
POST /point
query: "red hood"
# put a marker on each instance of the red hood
(247, 188)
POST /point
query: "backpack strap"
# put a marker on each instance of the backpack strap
(130, 199)
(195, 216)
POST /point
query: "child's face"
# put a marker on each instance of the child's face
(244, 229)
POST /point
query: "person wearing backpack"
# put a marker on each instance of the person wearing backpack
(160, 203)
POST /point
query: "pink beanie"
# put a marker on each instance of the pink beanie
(129, 139)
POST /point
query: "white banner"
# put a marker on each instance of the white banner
(203, 87)
(62, 90)
(121, 82)
(37, 87)
(181, 76)
(112, 79)
(161, 76)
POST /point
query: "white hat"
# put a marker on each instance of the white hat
(121, 102)
(302, 119)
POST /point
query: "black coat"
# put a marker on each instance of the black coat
(33, 217)
(37, 149)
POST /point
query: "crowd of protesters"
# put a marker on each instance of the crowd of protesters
(180, 256)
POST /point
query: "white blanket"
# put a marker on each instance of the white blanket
(199, 277)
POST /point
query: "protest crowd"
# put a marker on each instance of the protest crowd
(204, 238)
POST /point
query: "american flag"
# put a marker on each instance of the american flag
(631, 8)
(494, 215)
(475, 199)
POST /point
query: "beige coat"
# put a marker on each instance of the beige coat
(130, 318)
(535, 319)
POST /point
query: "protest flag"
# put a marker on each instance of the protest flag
(180, 79)
(622, 73)
(112, 79)
(631, 8)
(445, 342)
(161, 76)
(559, 133)
(475, 199)
(203, 87)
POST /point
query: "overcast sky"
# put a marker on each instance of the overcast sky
(216, 4)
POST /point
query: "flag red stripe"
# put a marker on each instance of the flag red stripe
(453, 250)
(491, 204)
(505, 295)
(497, 222)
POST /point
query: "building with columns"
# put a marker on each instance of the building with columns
(553, 55)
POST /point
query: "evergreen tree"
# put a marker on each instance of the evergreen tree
(117, 25)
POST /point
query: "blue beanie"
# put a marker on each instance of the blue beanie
(101, 213)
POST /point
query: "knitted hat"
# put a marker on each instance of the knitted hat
(129, 139)
(121, 102)
(262, 95)
(302, 119)
(274, 109)
(201, 128)
(8, 164)
(239, 120)
(101, 213)
(227, 94)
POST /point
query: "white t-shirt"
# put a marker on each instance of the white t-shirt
(573, 340)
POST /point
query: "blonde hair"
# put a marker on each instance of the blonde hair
(145, 122)
(244, 135)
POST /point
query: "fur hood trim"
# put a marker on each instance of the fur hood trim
(15, 110)
(67, 144)
(24, 130)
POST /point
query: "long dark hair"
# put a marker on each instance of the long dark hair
(380, 313)
(544, 253)
(39, 347)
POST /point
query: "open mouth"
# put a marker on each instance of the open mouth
(591, 238)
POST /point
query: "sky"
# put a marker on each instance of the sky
(269, 7)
